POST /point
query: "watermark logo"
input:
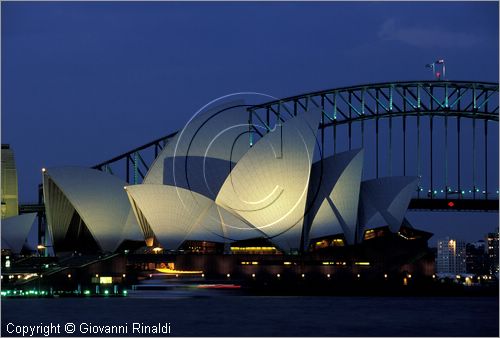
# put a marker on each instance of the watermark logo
(256, 167)
(87, 329)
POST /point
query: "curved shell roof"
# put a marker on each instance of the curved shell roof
(204, 175)
(177, 214)
(268, 186)
(334, 209)
(233, 227)
(219, 133)
(388, 197)
(98, 198)
(15, 229)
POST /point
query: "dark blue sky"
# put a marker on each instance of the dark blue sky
(85, 81)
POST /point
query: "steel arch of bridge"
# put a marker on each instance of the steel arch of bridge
(350, 104)
(433, 108)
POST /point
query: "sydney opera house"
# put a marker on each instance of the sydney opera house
(212, 187)
(219, 201)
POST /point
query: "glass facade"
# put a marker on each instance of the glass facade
(451, 256)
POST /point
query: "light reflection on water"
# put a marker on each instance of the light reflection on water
(163, 288)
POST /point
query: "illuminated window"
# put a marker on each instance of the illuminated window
(321, 244)
(105, 280)
(338, 242)
(369, 234)
(254, 250)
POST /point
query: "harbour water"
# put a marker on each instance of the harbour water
(223, 314)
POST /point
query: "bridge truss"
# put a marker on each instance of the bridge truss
(444, 132)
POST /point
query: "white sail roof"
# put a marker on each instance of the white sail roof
(220, 133)
(334, 195)
(15, 229)
(172, 213)
(233, 227)
(387, 197)
(268, 186)
(177, 214)
(97, 197)
(204, 175)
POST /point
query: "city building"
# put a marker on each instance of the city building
(9, 183)
(451, 257)
(15, 227)
(492, 242)
(476, 258)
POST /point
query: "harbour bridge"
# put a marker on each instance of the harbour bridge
(444, 132)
